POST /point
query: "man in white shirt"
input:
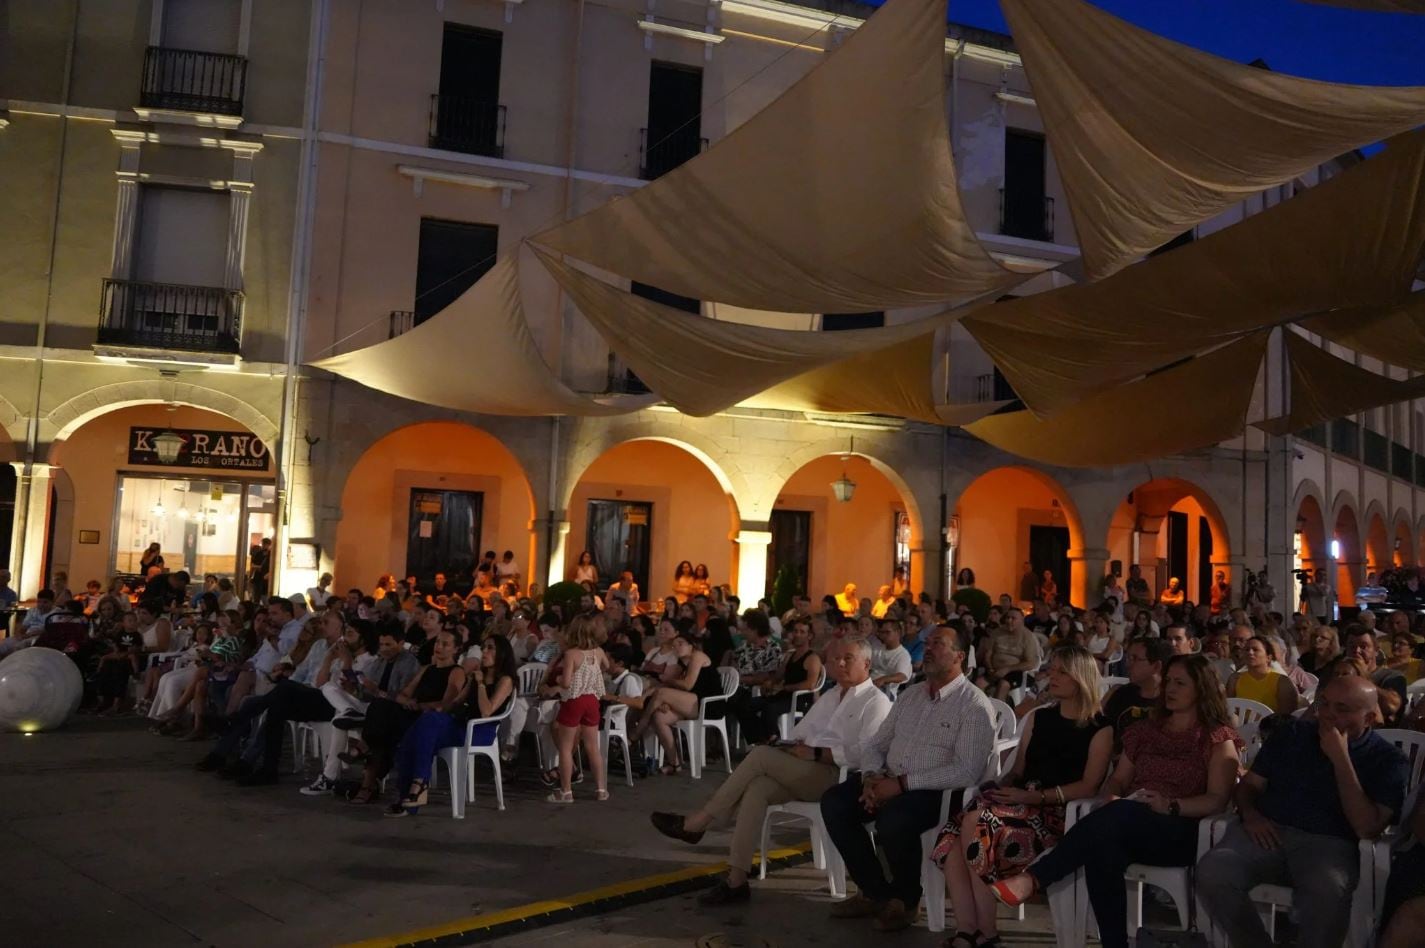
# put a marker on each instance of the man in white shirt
(891, 665)
(317, 595)
(938, 736)
(829, 736)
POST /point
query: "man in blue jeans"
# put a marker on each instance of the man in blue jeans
(939, 735)
(1315, 790)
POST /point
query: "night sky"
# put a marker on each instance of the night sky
(1303, 39)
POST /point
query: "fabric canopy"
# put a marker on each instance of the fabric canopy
(703, 366)
(1354, 240)
(1393, 334)
(475, 355)
(1202, 402)
(1324, 386)
(840, 196)
(893, 381)
(1151, 137)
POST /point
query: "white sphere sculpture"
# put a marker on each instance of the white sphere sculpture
(39, 689)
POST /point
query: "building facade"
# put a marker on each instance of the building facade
(247, 186)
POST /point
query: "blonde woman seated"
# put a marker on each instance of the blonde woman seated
(1258, 682)
(1321, 648)
(677, 699)
(1063, 755)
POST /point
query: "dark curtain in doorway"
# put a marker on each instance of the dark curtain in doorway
(1177, 550)
(619, 535)
(1049, 549)
(1204, 560)
(791, 546)
(444, 535)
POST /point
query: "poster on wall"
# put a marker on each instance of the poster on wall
(228, 450)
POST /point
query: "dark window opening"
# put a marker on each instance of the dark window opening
(674, 132)
(466, 114)
(833, 322)
(452, 256)
(1025, 209)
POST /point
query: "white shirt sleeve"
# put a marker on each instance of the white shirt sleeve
(861, 727)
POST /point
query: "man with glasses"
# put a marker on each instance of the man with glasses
(1130, 703)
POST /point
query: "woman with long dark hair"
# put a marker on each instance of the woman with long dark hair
(684, 582)
(1177, 767)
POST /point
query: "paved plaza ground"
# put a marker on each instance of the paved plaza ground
(110, 837)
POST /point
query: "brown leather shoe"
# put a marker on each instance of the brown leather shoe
(858, 906)
(893, 917)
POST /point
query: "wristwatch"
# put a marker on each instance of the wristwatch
(1174, 808)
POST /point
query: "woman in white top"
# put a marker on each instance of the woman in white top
(586, 571)
(166, 707)
(579, 709)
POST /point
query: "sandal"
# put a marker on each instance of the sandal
(1001, 891)
(670, 770)
(417, 799)
(365, 794)
(560, 796)
(601, 795)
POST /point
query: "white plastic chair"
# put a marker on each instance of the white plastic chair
(530, 675)
(823, 853)
(462, 778)
(788, 720)
(694, 732)
(302, 733)
(615, 727)
(1006, 733)
(1414, 693)
(1247, 711)
(1107, 683)
(891, 689)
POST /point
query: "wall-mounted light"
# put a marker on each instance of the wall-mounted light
(843, 487)
(167, 445)
(952, 532)
(1335, 549)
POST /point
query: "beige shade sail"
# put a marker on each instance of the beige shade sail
(1152, 137)
(894, 381)
(1325, 386)
(1393, 334)
(1354, 240)
(475, 355)
(1202, 402)
(840, 196)
(703, 366)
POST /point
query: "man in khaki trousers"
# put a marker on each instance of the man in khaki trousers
(828, 738)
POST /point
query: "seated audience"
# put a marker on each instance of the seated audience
(1361, 646)
(831, 735)
(1403, 914)
(758, 659)
(1013, 654)
(1177, 767)
(1315, 789)
(939, 735)
(892, 665)
(482, 694)
(1128, 704)
(1402, 657)
(678, 698)
(801, 670)
(1063, 755)
(1256, 681)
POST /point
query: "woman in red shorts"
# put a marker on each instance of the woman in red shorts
(583, 676)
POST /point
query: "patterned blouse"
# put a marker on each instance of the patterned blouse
(1174, 763)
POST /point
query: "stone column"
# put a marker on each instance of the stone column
(241, 195)
(752, 542)
(125, 219)
(31, 528)
(1087, 567)
(550, 551)
(927, 567)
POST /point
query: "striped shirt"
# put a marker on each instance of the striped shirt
(937, 739)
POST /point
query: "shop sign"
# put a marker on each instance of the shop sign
(229, 450)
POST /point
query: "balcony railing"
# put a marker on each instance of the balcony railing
(170, 316)
(466, 124)
(1346, 437)
(402, 321)
(1401, 462)
(1026, 216)
(1377, 451)
(659, 157)
(190, 80)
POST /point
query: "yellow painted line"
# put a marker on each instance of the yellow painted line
(521, 912)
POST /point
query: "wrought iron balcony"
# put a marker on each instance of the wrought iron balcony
(190, 80)
(462, 123)
(1026, 216)
(402, 321)
(170, 316)
(657, 158)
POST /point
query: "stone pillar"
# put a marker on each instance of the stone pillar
(550, 551)
(752, 542)
(126, 213)
(1087, 568)
(241, 195)
(927, 567)
(27, 552)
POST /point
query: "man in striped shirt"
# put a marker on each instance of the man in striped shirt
(939, 735)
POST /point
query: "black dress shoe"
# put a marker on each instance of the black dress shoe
(349, 722)
(671, 825)
(724, 894)
(258, 778)
(236, 770)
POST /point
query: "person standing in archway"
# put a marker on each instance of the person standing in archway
(1028, 584)
(1220, 594)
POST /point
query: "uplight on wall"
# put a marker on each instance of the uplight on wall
(1335, 549)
